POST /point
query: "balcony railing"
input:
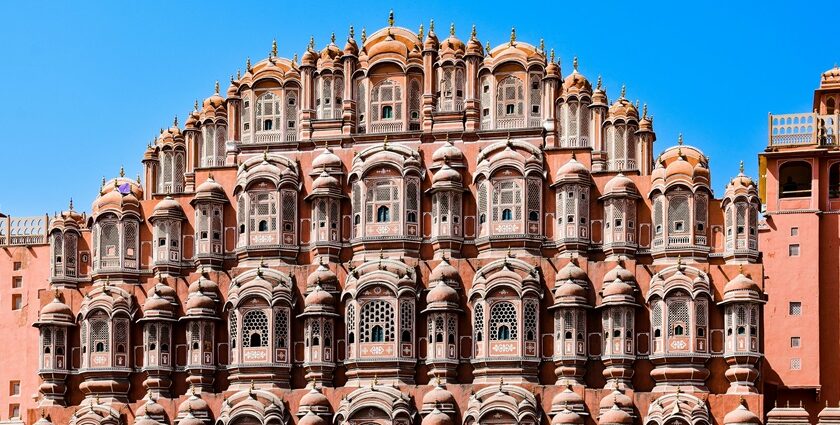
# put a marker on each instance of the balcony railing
(386, 127)
(575, 141)
(23, 230)
(803, 129)
(268, 136)
(621, 164)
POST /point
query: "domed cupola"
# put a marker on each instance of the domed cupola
(431, 42)
(573, 172)
(194, 410)
(623, 108)
(572, 189)
(439, 398)
(322, 276)
(310, 57)
(447, 197)
(64, 233)
(54, 322)
(120, 195)
(741, 415)
(55, 313)
(741, 206)
(620, 198)
(351, 49)
(617, 306)
(327, 161)
(447, 153)
(329, 54)
(830, 78)
(599, 95)
(474, 47)
(150, 412)
(571, 303)
(567, 400)
(214, 106)
(743, 300)
(575, 83)
(451, 47)
(319, 317)
(210, 191)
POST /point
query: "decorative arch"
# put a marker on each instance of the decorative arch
(503, 401)
(678, 407)
(253, 406)
(366, 405)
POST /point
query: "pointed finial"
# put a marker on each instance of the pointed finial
(574, 156)
(195, 105)
(385, 143)
(680, 139)
(103, 182)
(473, 34)
(644, 111)
(248, 63)
(509, 255)
(741, 167)
(552, 56)
(679, 262)
(238, 73)
(381, 254)
(364, 35)
(71, 204)
(512, 36)
(420, 32)
(217, 87)
(332, 38)
(352, 33)
(311, 45)
(575, 63)
(598, 86)
(637, 104)
(175, 121)
(542, 45)
(122, 171)
(138, 178)
(623, 91)
(274, 48)
(487, 47)
(431, 26)
(232, 79)
(391, 18)
(265, 154)
(295, 59)
(452, 29)
(740, 269)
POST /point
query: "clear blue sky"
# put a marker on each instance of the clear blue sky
(87, 84)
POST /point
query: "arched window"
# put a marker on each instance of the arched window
(486, 102)
(376, 321)
(268, 112)
(678, 214)
(829, 106)
(503, 322)
(383, 196)
(510, 103)
(507, 200)
(414, 95)
(255, 329)
(795, 179)
(386, 103)
(478, 322)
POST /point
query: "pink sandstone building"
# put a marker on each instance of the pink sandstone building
(415, 229)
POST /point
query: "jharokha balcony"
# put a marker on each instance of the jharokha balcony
(803, 129)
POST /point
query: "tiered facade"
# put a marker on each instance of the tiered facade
(409, 229)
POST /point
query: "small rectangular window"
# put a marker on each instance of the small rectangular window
(795, 308)
(679, 226)
(535, 109)
(14, 388)
(794, 231)
(793, 250)
(17, 301)
(570, 219)
(794, 342)
(486, 89)
(618, 222)
(796, 363)
(14, 411)
(17, 282)
(16, 266)
(509, 109)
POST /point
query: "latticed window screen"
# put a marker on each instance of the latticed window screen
(152, 336)
(503, 322)
(268, 112)
(221, 135)
(530, 318)
(412, 199)
(452, 327)
(376, 314)
(478, 322)
(414, 100)
(263, 212)
(130, 229)
(753, 223)
(289, 202)
(255, 329)
(291, 114)
(406, 316)
(569, 122)
(207, 336)
(510, 98)
(281, 328)
(166, 168)
(121, 334)
(741, 217)
(323, 96)
(84, 335)
(351, 318)
(678, 214)
(701, 202)
(486, 102)
(678, 315)
(109, 239)
(195, 335)
(438, 329)
(583, 124)
(70, 242)
(328, 334)
(58, 247)
(656, 315)
(383, 193)
(99, 333)
(535, 95)
(534, 199)
(507, 200)
(338, 94)
(178, 170)
(316, 332)
(482, 205)
(246, 118)
(386, 101)
(701, 312)
(657, 215)
(361, 105)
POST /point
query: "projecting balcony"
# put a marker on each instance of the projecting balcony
(575, 142)
(386, 127)
(803, 129)
(621, 164)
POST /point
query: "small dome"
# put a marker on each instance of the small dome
(701, 172)
(616, 399)
(570, 271)
(573, 168)
(615, 416)
(351, 48)
(437, 418)
(156, 303)
(200, 301)
(190, 419)
(314, 398)
(658, 172)
(168, 206)
(623, 108)
(310, 57)
(620, 273)
(679, 167)
(474, 47)
(311, 419)
(442, 293)
(831, 77)
(452, 45)
(331, 52)
(325, 182)
(210, 187)
(202, 284)
(319, 298)
(322, 276)
(389, 45)
(620, 184)
(567, 398)
(448, 152)
(617, 288)
(56, 308)
(446, 174)
(150, 408)
(566, 416)
(444, 271)
(431, 42)
(326, 160)
(576, 83)
(741, 283)
(193, 403)
(438, 396)
(569, 290)
(741, 415)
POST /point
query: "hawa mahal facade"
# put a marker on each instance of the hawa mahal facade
(415, 229)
